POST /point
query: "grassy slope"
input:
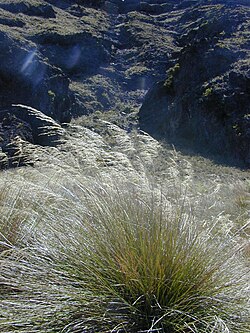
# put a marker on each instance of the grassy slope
(104, 239)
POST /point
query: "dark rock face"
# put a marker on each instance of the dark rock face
(204, 101)
(25, 77)
(73, 55)
(70, 58)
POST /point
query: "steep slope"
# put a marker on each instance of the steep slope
(73, 58)
(204, 101)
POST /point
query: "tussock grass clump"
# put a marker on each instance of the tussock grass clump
(12, 216)
(122, 259)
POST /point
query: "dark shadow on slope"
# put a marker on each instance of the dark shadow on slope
(188, 148)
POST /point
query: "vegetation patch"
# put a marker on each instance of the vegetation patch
(208, 92)
(172, 72)
(120, 258)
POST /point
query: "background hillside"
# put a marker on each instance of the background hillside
(73, 58)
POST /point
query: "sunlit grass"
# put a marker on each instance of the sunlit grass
(12, 216)
(108, 257)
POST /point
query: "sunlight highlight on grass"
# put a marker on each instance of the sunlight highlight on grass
(104, 256)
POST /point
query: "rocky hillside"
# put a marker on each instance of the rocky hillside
(204, 100)
(66, 59)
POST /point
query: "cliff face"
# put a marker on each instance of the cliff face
(72, 58)
(204, 101)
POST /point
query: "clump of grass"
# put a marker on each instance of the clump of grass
(121, 259)
(11, 217)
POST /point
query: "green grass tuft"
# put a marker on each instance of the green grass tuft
(120, 258)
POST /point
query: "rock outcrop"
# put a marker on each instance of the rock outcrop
(20, 124)
(204, 101)
(25, 77)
